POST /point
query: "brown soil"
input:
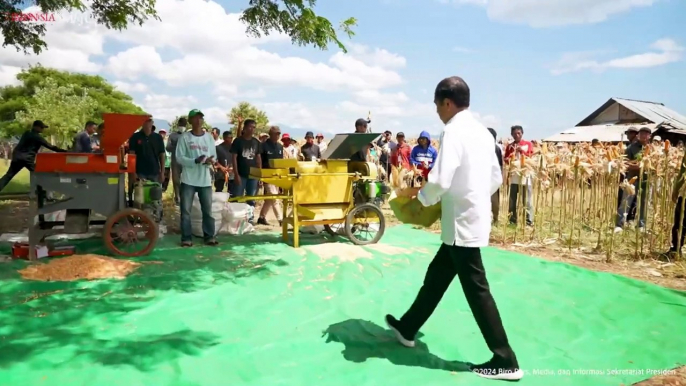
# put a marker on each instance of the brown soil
(670, 275)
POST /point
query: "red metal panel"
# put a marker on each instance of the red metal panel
(76, 163)
(118, 128)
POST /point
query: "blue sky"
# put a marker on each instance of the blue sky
(542, 64)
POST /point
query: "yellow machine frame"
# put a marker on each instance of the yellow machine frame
(316, 192)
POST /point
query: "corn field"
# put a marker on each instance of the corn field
(575, 199)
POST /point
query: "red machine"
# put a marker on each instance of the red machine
(84, 184)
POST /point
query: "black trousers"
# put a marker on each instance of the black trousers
(167, 175)
(466, 264)
(15, 167)
(676, 242)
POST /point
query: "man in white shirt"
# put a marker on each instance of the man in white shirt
(457, 180)
(217, 136)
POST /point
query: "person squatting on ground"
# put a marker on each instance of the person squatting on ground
(196, 154)
(24, 154)
(459, 181)
(176, 167)
(271, 149)
(245, 151)
(517, 149)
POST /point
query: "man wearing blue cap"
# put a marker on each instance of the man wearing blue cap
(196, 154)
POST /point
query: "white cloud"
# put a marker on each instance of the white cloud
(375, 57)
(130, 88)
(215, 115)
(8, 75)
(71, 46)
(213, 71)
(168, 106)
(665, 51)
(550, 13)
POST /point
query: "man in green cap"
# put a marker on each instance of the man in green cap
(196, 154)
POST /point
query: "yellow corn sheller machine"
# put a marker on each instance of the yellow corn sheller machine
(342, 195)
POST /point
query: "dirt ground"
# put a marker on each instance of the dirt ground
(666, 274)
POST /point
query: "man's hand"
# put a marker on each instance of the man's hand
(209, 160)
(200, 159)
(239, 119)
(160, 179)
(237, 180)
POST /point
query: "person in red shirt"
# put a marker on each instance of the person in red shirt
(400, 156)
(514, 152)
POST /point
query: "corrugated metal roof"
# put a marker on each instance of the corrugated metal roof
(655, 112)
(652, 111)
(603, 133)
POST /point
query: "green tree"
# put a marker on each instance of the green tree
(262, 17)
(63, 108)
(14, 99)
(245, 111)
(175, 123)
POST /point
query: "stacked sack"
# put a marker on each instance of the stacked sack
(229, 217)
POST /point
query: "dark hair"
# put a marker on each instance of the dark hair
(89, 124)
(182, 122)
(215, 130)
(454, 89)
(249, 122)
(492, 130)
(227, 133)
(154, 128)
(516, 127)
(101, 126)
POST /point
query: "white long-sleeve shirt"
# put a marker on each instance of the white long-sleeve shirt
(464, 176)
(189, 148)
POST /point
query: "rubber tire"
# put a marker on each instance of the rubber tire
(350, 221)
(107, 232)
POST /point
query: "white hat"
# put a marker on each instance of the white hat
(657, 138)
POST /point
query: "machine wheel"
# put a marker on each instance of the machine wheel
(357, 223)
(130, 232)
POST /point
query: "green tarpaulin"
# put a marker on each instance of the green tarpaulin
(257, 312)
